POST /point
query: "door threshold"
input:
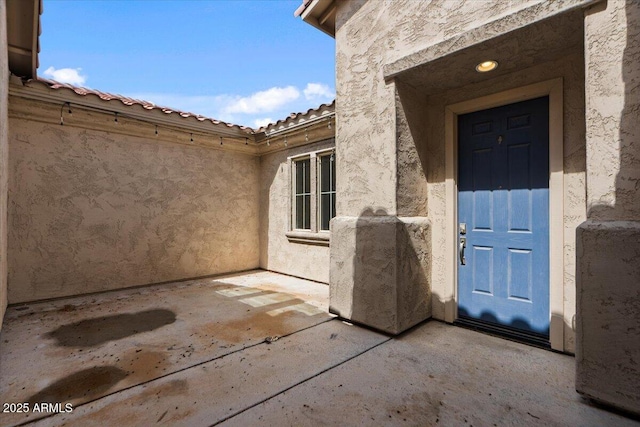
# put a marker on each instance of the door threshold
(505, 332)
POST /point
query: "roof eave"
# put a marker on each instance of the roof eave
(39, 90)
(320, 14)
(23, 31)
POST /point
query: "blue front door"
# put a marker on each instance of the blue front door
(503, 214)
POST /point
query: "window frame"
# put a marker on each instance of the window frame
(314, 235)
(295, 194)
(332, 193)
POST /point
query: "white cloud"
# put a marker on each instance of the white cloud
(205, 105)
(264, 101)
(66, 75)
(256, 110)
(318, 91)
(262, 122)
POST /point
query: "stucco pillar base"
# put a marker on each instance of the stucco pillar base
(380, 269)
(608, 313)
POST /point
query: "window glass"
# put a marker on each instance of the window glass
(303, 194)
(327, 190)
(333, 180)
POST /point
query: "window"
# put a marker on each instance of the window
(313, 196)
(327, 190)
(303, 194)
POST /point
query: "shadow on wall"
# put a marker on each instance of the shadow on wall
(346, 10)
(391, 289)
(608, 274)
(413, 105)
(628, 179)
(627, 203)
(416, 161)
(371, 259)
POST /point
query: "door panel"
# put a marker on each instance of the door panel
(503, 198)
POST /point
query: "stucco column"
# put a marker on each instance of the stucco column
(380, 253)
(380, 257)
(608, 243)
(378, 271)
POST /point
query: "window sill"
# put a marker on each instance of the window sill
(309, 238)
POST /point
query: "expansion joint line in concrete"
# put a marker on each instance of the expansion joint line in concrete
(25, 423)
(300, 382)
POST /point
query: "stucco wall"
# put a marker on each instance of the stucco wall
(93, 211)
(4, 153)
(612, 34)
(277, 253)
(369, 35)
(608, 295)
(395, 127)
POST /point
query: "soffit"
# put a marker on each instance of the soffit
(319, 13)
(23, 30)
(440, 69)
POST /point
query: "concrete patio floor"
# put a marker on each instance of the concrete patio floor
(258, 348)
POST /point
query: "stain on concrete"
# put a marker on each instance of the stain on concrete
(144, 365)
(419, 407)
(32, 360)
(257, 325)
(93, 332)
(113, 413)
(171, 388)
(84, 385)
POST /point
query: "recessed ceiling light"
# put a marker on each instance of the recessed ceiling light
(486, 66)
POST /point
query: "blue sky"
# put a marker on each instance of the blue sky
(245, 62)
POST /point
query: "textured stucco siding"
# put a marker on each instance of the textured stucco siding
(277, 253)
(384, 282)
(93, 211)
(368, 36)
(396, 131)
(612, 39)
(608, 321)
(608, 285)
(4, 153)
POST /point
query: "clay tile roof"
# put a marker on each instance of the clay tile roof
(82, 91)
(292, 119)
(297, 118)
(302, 7)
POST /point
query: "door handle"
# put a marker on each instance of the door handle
(463, 244)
